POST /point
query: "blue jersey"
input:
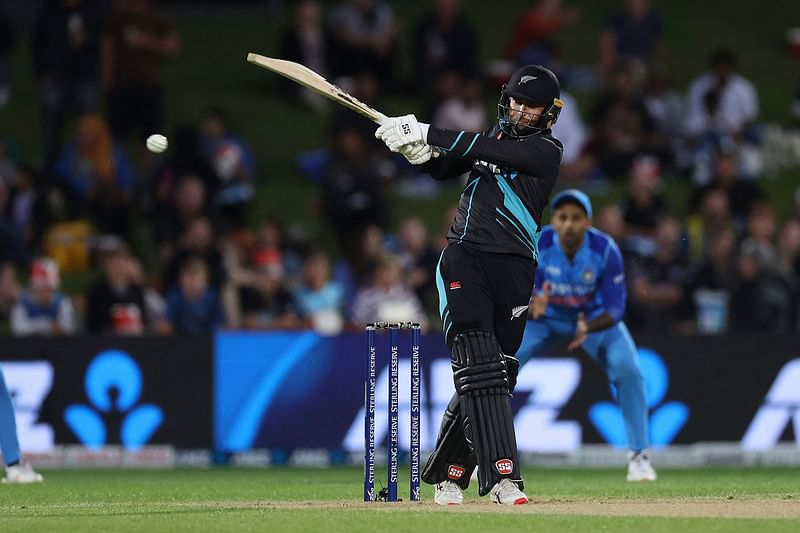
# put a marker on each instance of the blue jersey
(593, 282)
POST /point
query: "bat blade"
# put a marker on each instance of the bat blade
(306, 77)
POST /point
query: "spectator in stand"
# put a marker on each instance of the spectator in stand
(12, 244)
(170, 221)
(419, 258)
(43, 309)
(710, 286)
(272, 245)
(29, 208)
(622, 127)
(762, 301)
(9, 289)
(8, 167)
(320, 300)
(444, 41)
(97, 177)
(736, 97)
(266, 303)
(184, 158)
(610, 219)
(789, 264)
(664, 103)
(306, 42)
(356, 268)
(387, 298)
(796, 214)
(643, 205)
(722, 109)
(576, 163)
(535, 36)
(115, 303)
(794, 110)
(789, 247)
(193, 307)
(713, 218)
(138, 41)
(6, 53)
(66, 64)
(633, 33)
(464, 110)
(760, 236)
(154, 303)
(352, 188)
(232, 160)
(268, 245)
(658, 282)
(198, 240)
(667, 107)
(769, 279)
(364, 38)
(742, 194)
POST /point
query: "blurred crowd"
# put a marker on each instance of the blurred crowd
(166, 244)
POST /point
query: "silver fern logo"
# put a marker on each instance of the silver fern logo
(516, 312)
(526, 79)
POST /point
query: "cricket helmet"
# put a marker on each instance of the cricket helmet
(535, 86)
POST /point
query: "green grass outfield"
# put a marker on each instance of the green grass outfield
(278, 500)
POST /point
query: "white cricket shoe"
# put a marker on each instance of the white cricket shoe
(639, 467)
(22, 473)
(448, 493)
(506, 492)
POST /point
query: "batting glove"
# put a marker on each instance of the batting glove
(417, 154)
(400, 131)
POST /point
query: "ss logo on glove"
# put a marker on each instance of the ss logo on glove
(406, 129)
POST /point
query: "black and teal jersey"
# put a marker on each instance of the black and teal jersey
(509, 185)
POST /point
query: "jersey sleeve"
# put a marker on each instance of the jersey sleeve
(612, 283)
(447, 166)
(536, 155)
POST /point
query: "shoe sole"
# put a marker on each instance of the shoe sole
(518, 501)
(446, 504)
(641, 479)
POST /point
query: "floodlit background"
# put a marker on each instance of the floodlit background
(295, 226)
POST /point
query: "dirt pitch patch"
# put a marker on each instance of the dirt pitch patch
(788, 508)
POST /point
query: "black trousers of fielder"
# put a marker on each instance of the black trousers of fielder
(482, 296)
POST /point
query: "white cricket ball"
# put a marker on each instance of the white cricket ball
(157, 143)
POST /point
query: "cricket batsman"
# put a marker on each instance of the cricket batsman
(486, 273)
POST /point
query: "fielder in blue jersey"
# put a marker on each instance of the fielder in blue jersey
(580, 294)
(16, 470)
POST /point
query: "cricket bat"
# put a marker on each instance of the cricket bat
(308, 78)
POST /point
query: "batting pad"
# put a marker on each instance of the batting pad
(481, 381)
